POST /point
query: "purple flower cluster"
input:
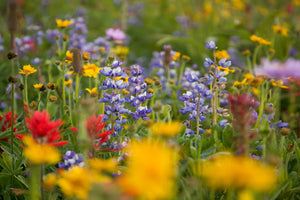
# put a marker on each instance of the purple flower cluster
(114, 83)
(279, 70)
(138, 88)
(115, 34)
(70, 159)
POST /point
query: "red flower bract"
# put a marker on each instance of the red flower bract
(43, 130)
(94, 126)
(6, 122)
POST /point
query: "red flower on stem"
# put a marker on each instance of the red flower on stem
(43, 130)
(94, 127)
(5, 120)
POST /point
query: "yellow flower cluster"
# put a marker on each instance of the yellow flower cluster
(90, 70)
(35, 152)
(222, 54)
(78, 181)
(69, 57)
(278, 83)
(93, 92)
(75, 182)
(259, 40)
(38, 85)
(63, 23)
(69, 82)
(252, 81)
(120, 50)
(226, 69)
(227, 171)
(151, 170)
(166, 129)
(27, 69)
(281, 30)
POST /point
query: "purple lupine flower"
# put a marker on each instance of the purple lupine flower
(71, 159)
(208, 62)
(35, 61)
(210, 45)
(223, 123)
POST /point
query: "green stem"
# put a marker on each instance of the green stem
(47, 100)
(214, 90)
(90, 82)
(181, 72)
(26, 91)
(63, 87)
(49, 72)
(70, 107)
(35, 183)
(254, 57)
(41, 182)
(39, 101)
(77, 88)
(249, 64)
(12, 130)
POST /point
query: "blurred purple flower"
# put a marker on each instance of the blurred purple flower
(115, 34)
(276, 69)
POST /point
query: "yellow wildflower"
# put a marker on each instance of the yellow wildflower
(75, 182)
(253, 81)
(259, 40)
(38, 86)
(185, 57)
(90, 70)
(93, 92)
(120, 50)
(238, 4)
(245, 195)
(52, 98)
(109, 165)
(166, 129)
(27, 69)
(296, 2)
(69, 82)
(281, 30)
(176, 56)
(35, 152)
(49, 181)
(86, 55)
(149, 81)
(69, 57)
(226, 69)
(246, 52)
(125, 92)
(222, 54)
(227, 171)
(125, 79)
(255, 91)
(63, 23)
(151, 170)
(278, 83)
(271, 50)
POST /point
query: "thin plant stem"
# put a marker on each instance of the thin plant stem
(70, 107)
(77, 88)
(39, 101)
(63, 87)
(47, 101)
(12, 128)
(41, 182)
(214, 90)
(26, 91)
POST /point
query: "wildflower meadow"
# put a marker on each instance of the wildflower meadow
(150, 99)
